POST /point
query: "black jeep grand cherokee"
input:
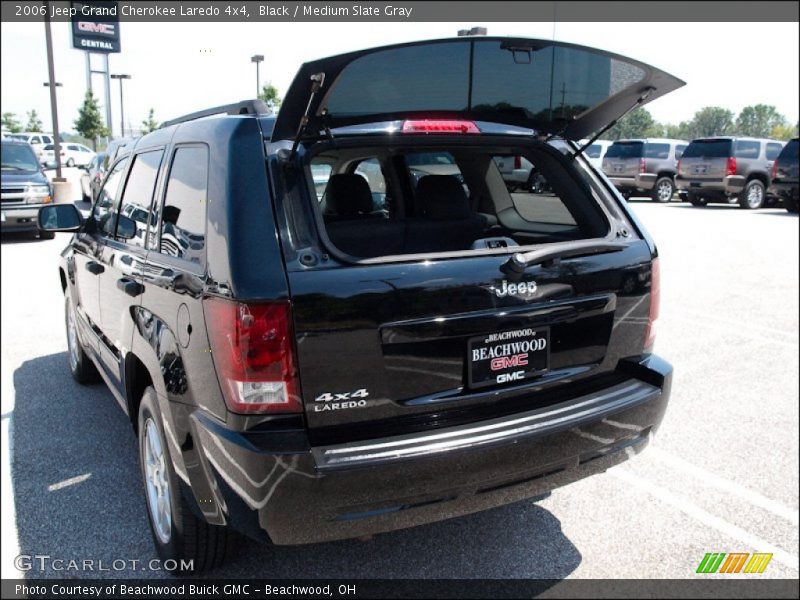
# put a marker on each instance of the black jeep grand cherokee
(339, 321)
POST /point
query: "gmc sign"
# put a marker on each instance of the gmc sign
(95, 36)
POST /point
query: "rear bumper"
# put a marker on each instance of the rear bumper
(350, 490)
(642, 181)
(726, 186)
(784, 190)
(20, 218)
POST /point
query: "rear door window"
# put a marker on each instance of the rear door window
(594, 151)
(138, 195)
(747, 149)
(656, 151)
(679, 149)
(107, 199)
(773, 150)
(183, 217)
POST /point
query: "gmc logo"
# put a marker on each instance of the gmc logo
(504, 362)
(90, 27)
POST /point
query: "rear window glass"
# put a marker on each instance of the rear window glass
(656, 151)
(747, 149)
(594, 151)
(549, 83)
(625, 150)
(773, 150)
(708, 149)
(790, 151)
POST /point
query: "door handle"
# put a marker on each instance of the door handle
(130, 287)
(95, 268)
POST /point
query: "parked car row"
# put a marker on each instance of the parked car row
(644, 166)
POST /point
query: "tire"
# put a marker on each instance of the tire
(791, 205)
(696, 200)
(70, 162)
(752, 196)
(663, 190)
(177, 533)
(80, 365)
(46, 235)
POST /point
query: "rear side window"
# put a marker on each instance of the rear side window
(625, 150)
(679, 150)
(656, 151)
(183, 218)
(594, 151)
(138, 195)
(708, 149)
(747, 149)
(773, 150)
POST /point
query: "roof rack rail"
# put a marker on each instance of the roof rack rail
(244, 107)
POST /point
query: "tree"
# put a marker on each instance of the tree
(150, 123)
(759, 120)
(711, 120)
(638, 123)
(89, 122)
(681, 131)
(11, 123)
(269, 94)
(783, 131)
(34, 122)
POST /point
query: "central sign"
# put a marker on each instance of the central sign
(95, 27)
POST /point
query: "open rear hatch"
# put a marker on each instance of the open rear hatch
(551, 87)
(396, 347)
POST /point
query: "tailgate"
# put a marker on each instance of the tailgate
(413, 343)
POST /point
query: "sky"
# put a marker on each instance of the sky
(178, 68)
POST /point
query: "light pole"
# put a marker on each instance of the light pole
(51, 78)
(257, 58)
(121, 76)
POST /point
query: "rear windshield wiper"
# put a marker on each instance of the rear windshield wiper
(515, 266)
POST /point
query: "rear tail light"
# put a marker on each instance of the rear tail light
(642, 165)
(254, 355)
(440, 126)
(774, 169)
(679, 166)
(730, 168)
(655, 305)
(517, 162)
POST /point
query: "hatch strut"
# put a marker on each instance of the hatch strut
(317, 79)
(597, 135)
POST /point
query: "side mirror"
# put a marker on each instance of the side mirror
(126, 227)
(59, 217)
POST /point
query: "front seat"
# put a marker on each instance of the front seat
(447, 223)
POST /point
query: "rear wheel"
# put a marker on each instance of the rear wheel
(80, 365)
(178, 534)
(46, 235)
(697, 200)
(663, 190)
(752, 196)
(70, 162)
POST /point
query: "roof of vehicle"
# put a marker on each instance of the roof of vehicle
(737, 137)
(654, 140)
(10, 140)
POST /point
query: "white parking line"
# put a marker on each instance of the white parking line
(725, 485)
(704, 517)
(68, 482)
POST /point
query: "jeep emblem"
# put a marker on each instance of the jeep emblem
(524, 289)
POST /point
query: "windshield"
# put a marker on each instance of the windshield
(19, 157)
(708, 149)
(625, 150)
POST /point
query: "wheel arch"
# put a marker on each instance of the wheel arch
(762, 177)
(137, 380)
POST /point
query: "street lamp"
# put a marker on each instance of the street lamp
(121, 76)
(257, 58)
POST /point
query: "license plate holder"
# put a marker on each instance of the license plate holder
(508, 356)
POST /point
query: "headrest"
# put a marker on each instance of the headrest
(443, 198)
(348, 194)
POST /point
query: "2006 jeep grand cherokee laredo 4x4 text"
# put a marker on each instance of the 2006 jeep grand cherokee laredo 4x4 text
(404, 347)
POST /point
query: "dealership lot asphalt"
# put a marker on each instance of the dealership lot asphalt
(721, 475)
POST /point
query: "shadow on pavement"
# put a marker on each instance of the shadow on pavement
(61, 431)
(19, 237)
